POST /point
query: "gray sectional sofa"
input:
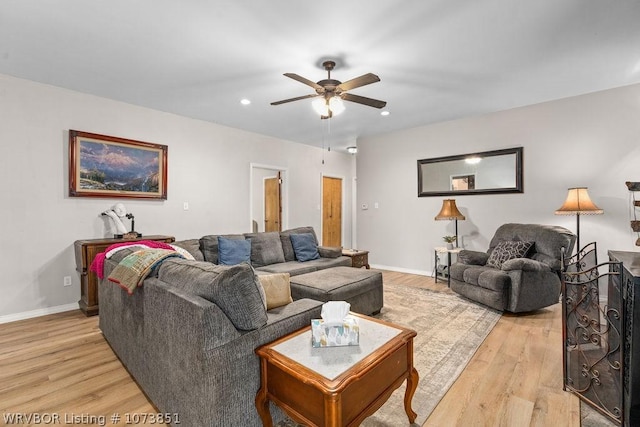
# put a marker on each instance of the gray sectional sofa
(188, 335)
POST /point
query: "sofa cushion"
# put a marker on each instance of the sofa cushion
(496, 280)
(277, 289)
(295, 268)
(285, 239)
(233, 251)
(209, 246)
(235, 289)
(507, 250)
(305, 246)
(266, 248)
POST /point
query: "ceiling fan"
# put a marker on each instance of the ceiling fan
(330, 92)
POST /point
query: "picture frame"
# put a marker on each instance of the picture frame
(108, 166)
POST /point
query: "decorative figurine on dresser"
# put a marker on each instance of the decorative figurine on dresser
(116, 213)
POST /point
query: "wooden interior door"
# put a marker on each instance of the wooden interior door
(272, 204)
(331, 211)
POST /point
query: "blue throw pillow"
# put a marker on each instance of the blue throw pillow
(304, 246)
(233, 251)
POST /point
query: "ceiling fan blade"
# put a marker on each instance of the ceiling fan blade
(308, 82)
(365, 79)
(313, 95)
(363, 100)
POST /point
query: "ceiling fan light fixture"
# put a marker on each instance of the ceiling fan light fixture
(336, 105)
(324, 107)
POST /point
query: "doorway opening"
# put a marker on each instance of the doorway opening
(268, 198)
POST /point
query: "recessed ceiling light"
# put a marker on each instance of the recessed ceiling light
(245, 101)
(384, 113)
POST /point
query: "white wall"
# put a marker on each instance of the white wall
(208, 167)
(591, 140)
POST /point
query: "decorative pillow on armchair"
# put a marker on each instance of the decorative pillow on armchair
(506, 250)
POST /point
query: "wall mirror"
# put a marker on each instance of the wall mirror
(489, 172)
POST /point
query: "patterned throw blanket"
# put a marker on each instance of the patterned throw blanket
(134, 268)
(97, 266)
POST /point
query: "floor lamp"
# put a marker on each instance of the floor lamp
(578, 203)
(450, 211)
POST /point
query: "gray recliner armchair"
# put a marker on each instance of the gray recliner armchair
(519, 272)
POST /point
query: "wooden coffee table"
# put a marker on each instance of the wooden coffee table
(337, 386)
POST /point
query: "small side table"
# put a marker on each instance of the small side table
(444, 250)
(359, 258)
(337, 386)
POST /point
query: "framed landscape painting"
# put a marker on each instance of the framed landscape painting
(107, 166)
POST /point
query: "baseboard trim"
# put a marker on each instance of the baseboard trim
(37, 313)
(402, 270)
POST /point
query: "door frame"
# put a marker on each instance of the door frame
(342, 202)
(284, 191)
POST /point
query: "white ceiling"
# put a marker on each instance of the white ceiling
(437, 59)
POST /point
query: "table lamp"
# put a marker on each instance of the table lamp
(450, 211)
(578, 203)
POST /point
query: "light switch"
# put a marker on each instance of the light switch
(185, 206)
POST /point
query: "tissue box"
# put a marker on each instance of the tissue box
(348, 333)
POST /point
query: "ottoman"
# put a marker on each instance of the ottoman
(360, 288)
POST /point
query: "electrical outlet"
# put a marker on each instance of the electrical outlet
(66, 281)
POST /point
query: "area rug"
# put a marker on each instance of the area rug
(450, 330)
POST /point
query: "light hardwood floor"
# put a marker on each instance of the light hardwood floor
(61, 364)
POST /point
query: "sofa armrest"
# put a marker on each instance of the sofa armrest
(553, 263)
(329, 252)
(203, 325)
(472, 257)
(524, 264)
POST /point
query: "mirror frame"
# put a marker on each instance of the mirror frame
(518, 172)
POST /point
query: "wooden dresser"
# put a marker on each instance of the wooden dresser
(86, 251)
(624, 298)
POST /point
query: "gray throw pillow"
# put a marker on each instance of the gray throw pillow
(506, 250)
(234, 289)
(266, 248)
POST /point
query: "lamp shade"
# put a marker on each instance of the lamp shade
(579, 202)
(449, 211)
